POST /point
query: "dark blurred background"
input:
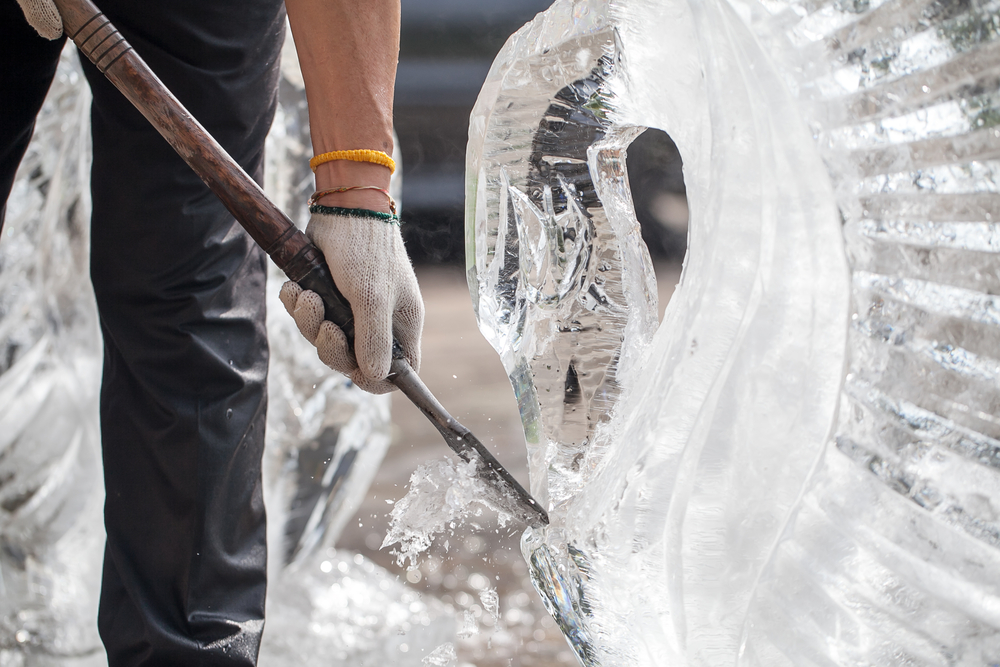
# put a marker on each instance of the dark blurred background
(446, 49)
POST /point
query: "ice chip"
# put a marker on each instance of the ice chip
(470, 626)
(491, 603)
(443, 656)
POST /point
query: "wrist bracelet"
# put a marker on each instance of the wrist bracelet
(388, 218)
(358, 155)
(319, 194)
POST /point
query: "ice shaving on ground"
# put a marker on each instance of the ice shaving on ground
(443, 494)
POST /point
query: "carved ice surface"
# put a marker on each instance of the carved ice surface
(801, 466)
(557, 272)
(325, 438)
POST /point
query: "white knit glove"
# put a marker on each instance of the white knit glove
(372, 270)
(43, 17)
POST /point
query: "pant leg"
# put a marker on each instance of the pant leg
(179, 288)
(27, 65)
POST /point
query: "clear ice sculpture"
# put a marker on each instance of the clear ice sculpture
(325, 438)
(800, 466)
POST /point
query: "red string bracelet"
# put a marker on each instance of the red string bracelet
(316, 196)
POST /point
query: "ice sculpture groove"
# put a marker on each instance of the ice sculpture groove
(805, 470)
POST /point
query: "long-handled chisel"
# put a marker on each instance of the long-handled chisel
(301, 261)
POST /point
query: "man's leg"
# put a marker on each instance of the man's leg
(27, 64)
(180, 289)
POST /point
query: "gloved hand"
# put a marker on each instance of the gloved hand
(372, 270)
(43, 17)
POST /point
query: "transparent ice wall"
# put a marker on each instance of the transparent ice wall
(801, 467)
(325, 438)
(51, 493)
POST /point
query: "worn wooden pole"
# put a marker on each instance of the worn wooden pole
(301, 261)
(271, 229)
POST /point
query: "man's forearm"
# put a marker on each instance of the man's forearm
(348, 52)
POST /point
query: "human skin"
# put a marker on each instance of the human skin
(348, 52)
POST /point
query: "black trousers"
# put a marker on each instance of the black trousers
(180, 291)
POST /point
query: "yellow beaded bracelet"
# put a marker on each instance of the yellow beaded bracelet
(359, 155)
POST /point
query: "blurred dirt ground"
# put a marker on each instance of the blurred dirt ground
(465, 373)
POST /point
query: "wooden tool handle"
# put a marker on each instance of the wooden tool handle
(290, 249)
(294, 254)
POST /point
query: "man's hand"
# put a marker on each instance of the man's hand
(370, 267)
(348, 52)
(43, 17)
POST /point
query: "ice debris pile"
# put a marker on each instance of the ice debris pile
(325, 438)
(338, 608)
(800, 466)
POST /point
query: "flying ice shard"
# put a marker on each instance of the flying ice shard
(801, 466)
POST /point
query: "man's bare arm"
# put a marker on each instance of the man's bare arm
(348, 52)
